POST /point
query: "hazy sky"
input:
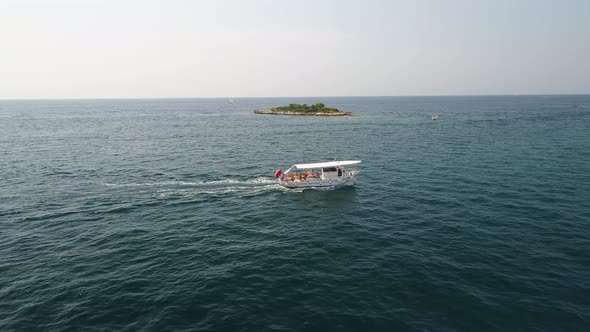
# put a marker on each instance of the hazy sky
(182, 48)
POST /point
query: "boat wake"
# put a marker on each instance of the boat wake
(163, 189)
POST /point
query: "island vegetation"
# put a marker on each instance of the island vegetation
(318, 109)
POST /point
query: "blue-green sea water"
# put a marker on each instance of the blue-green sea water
(161, 215)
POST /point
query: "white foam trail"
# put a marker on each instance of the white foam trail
(164, 189)
(256, 181)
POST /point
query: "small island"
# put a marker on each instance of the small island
(318, 109)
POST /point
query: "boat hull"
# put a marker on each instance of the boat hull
(318, 183)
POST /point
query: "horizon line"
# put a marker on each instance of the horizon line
(277, 97)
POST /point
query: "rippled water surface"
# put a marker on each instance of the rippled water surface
(163, 215)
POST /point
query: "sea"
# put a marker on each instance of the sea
(164, 215)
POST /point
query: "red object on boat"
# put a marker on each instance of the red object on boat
(278, 173)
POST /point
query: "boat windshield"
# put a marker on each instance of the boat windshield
(329, 169)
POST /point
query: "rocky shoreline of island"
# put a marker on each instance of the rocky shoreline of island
(275, 112)
(318, 109)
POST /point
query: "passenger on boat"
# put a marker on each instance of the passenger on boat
(303, 176)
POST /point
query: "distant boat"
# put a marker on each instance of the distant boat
(330, 174)
(434, 116)
(231, 101)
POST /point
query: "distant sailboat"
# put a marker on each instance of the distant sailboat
(231, 101)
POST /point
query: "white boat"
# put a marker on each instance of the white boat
(434, 116)
(330, 174)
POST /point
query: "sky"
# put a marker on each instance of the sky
(280, 48)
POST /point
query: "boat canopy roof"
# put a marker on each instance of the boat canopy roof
(327, 164)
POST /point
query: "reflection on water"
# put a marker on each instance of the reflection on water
(328, 198)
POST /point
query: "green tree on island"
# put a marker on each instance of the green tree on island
(315, 108)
